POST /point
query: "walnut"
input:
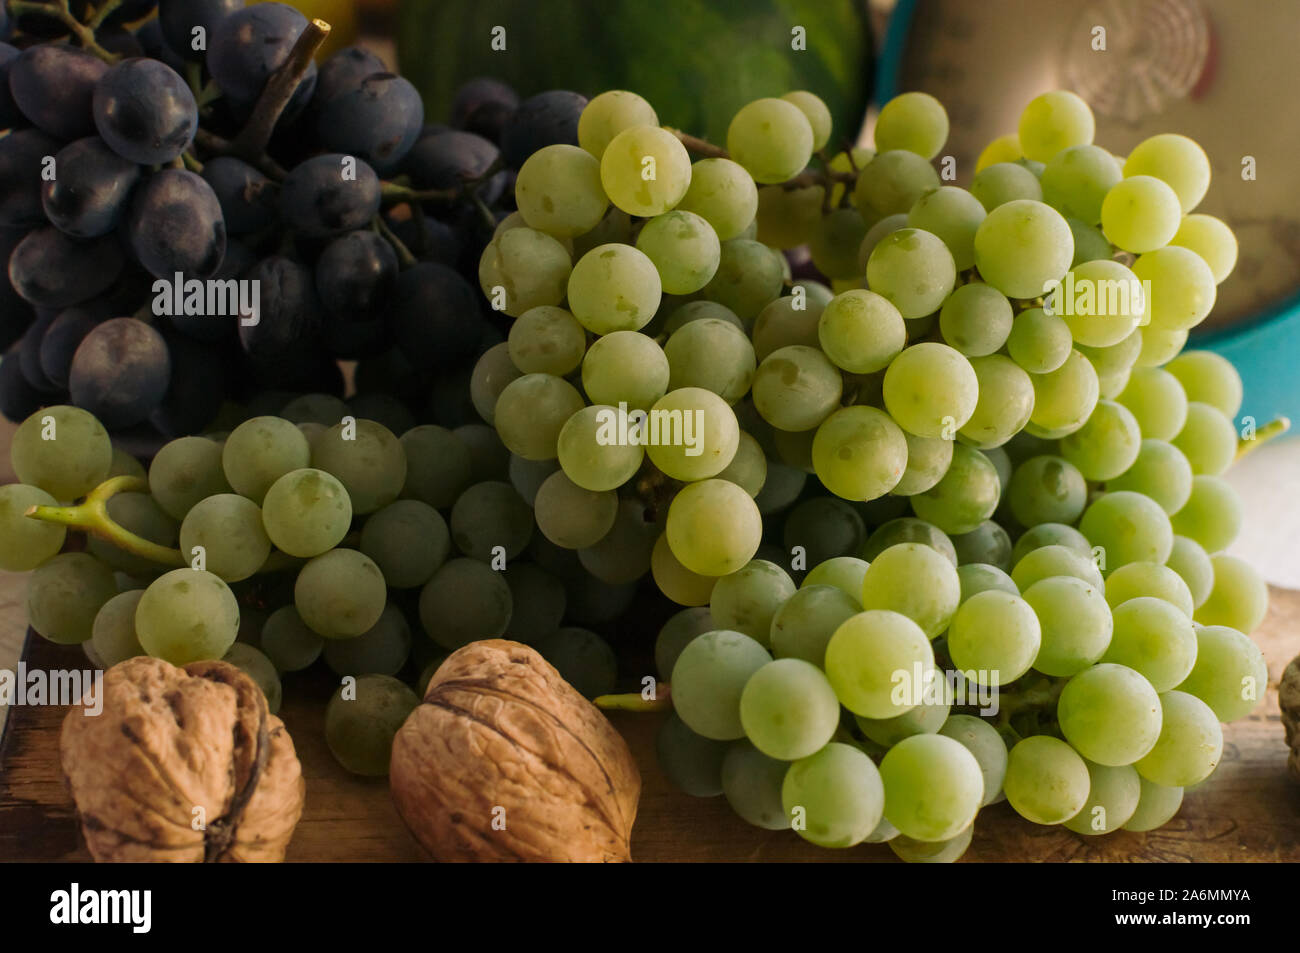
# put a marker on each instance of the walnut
(504, 760)
(182, 765)
(1288, 697)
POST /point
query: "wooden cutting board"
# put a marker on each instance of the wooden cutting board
(1248, 811)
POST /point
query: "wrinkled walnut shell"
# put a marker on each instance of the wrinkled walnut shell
(176, 749)
(1288, 697)
(504, 760)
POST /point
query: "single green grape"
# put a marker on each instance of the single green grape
(966, 495)
(645, 170)
(1207, 439)
(1089, 242)
(913, 851)
(913, 269)
(751, 782)
(1076, 624)
(749, 277)
(916, 581)
(1129, 527)
(571, 516)
(1238, 597)
(259, 668)
(1159, 346)
(186, 471)
(408, 540)
(1212, 515)
(954, 215)
(62, 450)
(815, 111)
(362, 719)
(614, 287)
(1213, 240)
(1182, 287)
(1230, 673)
(493, 373)
(748, 468)
(1004, 182)
(803, 625)
(913, 121)
(680, 629)
(891, 183)
(1189, 746)
(1075, 181)
(746, 600)
(1046, 489)
(590, 453)
(1140, 214)
(1046, 780)
(1134, 580)
(982, 740)
(1022, 247)
(187, 615)
(1208, 378)
(859, 453)
(712, 354)
(25, 542)
(788, 709)
(865, 655)
(684, 249)
(522, 269)
(680, 584)
(1064, 398)
(1162, 472)
(833, 244)
(713, 527)
(546, 340)
(772, 139)
(1054, 560)
(289, 642)
(438, 465)
(558, 190)
(1005, 403)
(113, 631)
(1176, 160)
(65, 593)
(834, 798)
(995, 635)
(701, 446)
(366, 458)
(340, 594)
(608, 114)
(860, 331)
(1054, 121)
(1050, 534)
(306, 512)
(1154, 638)
(1156, 806)
(925, 719)
(1113, 795)
(981, 577)
(1102, 301)
(691, 762)
(229, 529)
(1192, 563)
(931, 390)
(465, 601)
(796, 388)
(908, 529)
(1106, 445)
(625, 367)
(723, 194)
(491, 518)
(976, 319)
(1157, 400)
(842, 572)
(626, 552)
(708, 678)
(1110, 713)
(933, 787)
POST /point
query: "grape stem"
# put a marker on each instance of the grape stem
(103, 12)
(92, 517)
(1262, 436)
(253, 138)
(403, 253)
(635, 701)
(1036, 698)
(60, 11)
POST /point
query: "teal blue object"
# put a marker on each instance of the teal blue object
(1265, 350)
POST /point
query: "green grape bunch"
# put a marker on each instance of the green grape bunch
(857, 445)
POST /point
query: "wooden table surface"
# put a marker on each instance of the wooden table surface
(1248, 811)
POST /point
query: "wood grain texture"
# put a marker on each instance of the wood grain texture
(1248, 811)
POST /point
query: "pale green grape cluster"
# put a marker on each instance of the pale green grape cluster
(961, 411)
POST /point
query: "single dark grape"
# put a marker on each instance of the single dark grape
(378, 121)
(447, 160)
(248, 198)
(22, 157)
(54, 270)
(483, 106)
(343, 73)
(29, 354)
(88, 196)
(248, 45)
(16, 315)
(177, 20)
(197, 387)
(426, 237)
(150, 36)
(10, 114)
(175, 225)
(290, 316)
(121, 42)
(437, 321)
(329, 195)
(145, 111)
(542, 120)
(356, 276)
(120, 372)
(18, 399)
(54, 86)
(62, 338)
